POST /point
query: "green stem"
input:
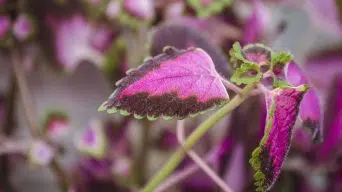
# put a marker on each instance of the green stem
(140, 163)
(178, 156)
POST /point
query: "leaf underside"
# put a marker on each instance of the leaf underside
(177, 83)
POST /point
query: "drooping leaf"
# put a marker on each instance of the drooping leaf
(268, 158)
(309, 110)
(183, 36)
(206, 8)
(177, 83)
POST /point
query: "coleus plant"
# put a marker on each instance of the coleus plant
(183, 83)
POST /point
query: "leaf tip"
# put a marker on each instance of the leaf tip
(102, 107)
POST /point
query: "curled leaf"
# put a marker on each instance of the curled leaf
(268, 158)
(247, 73)
(177, 83)
(258, 54)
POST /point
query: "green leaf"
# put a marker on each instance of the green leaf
(280, 84)
(236, 51)
(213, 8)
(281, 58)
(113, 60)
(241, 75)
(236, 56)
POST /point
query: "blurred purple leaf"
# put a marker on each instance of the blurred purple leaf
(167, 140)
(93, 141)
(122, 167)
(327, 63)
(224, 154)
(40, 153)
(5, 25)
(309, 110)
(23, 27)
(141, 9)
(113, 9)
(236, 173)
(327, 15)
(257, 23)
(77, 40)
(333, 122)
(98, 168)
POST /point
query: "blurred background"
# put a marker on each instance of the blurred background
(60, 59)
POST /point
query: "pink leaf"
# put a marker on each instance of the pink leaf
(268, 158)
(176, 83)
(183, 35)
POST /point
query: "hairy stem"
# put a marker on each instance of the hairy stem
(178, 156)
(32, 117)
(199, 161)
